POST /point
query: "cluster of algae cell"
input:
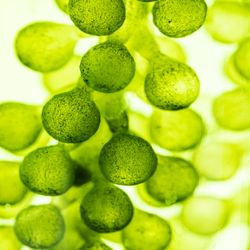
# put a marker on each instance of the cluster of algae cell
(94, 142)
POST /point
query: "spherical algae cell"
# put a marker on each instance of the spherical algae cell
(8, 239)
(179, 18)
(231, 109)
(176, 130)
(217, 160)
(146, 231)
(12, 189)
(39, 226)
(127, 160)
(228, 21)
(63, 5)
(210, 212)
(20, 125)
(48, 171)
(71, 117)
(45, 46)
(97, 17)
(242, 57)
(108, 67)
(106, 208)
(174, 180)
(96, 246)
(171, 85)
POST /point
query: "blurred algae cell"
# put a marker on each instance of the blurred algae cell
(40, 226)
(20, 125)
(8, 239)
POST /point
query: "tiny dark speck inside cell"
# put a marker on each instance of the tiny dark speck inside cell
(169, 21)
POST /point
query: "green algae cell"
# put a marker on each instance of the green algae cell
(179, 18)
(48, 171)
(64, 78)
(63, 5)
(20, 125)
(242, 57)
(228, 21)
(106, 208)
(8, 239)
(217, 160)
(12, 189)
(127, 160)
(205, 215)
(40, 226)
(146, 231)
(96, 246)
(119, 124)
(45, 46)
(171, 85)
(107, 67)
(97, 17)
(71, 117)
(174, 180)
(231, 109)
(176, 130)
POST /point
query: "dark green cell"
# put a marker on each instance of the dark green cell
(231, 109)
(127, 160)
(106, 208)
(108, 67)
(45, 46)
(20, 125)
(48, 171)
(171, 85)
(39, 226)
(174, 179)
(71, 117)
(97, 17)
(179, 18)
(146, 231)
(96, 246)
(12, 189)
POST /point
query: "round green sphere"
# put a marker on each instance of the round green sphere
(106, 208)
(107, 67)
(127, 160)
(179, 18)
(97, 17)
(48, 171)
(40, 226)
(171, 85)
(174, 179)
(71, 117)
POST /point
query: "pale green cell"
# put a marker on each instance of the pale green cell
(119, 124)
(174, 180)
(48, 171)
(242, 57)
(171, 85)
(232, 72)
(40, 226)
(177, 130)
(205, 215)
(106, 208)
(12, 189)
(127, 160)
(171, 48)
(217, 160)
(20, 125)
(228, 21)
(87, 153)
(8, 239)
(71, 117)
(97, 17)
(108, 67)
(64, 78)
(179, 18)
(231, 109)
(45, 46)
(146, 231)
(63, 5)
